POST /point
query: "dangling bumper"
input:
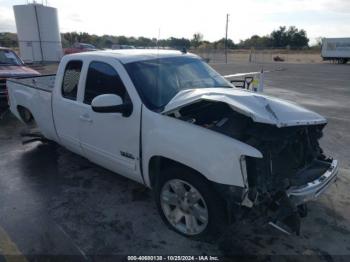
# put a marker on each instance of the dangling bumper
(315, 188)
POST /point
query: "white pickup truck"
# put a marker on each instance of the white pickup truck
(167, 120)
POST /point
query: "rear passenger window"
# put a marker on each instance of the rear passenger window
(71, 79)
(103, 79)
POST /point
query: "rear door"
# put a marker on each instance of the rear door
(110, 139)
(66, 105)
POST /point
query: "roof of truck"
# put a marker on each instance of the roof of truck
(132, 55)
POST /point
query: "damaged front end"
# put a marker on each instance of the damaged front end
(292, 171)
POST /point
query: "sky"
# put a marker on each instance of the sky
(183, 18)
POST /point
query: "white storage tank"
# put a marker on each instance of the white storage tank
(38, 33)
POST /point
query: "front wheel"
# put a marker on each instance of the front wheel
(188, 204)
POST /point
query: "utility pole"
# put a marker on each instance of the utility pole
(158, 38)
(226, 37)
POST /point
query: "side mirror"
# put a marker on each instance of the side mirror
(110, 103)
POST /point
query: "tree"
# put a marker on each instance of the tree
(145, 42)
(299, 40)
(177, 43)
(220, 44)
(293, 38)
(279, 37)
(319, 41)
(256, 42)
(206, 45)
(8, 39)
(197, 40)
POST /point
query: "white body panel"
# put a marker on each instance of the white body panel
(37, 100)
(66, 113)
(261, 108)
(106, 137)
(336, 48)
(214, 155)
(132, 55)
(113, 141)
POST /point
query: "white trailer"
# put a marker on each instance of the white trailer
(336, 49)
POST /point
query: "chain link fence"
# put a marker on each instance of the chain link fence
(259, 56)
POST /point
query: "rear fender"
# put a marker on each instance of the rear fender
(20, 97)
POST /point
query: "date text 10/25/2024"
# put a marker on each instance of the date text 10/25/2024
(172, 258)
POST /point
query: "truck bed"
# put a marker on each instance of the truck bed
(35, 95)
(43, 82)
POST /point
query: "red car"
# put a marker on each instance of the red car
(78, 48)
(11, 66)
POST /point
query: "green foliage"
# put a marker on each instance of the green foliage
(280, 38)
(197, 40)
(220, 44)
(8, 40)
(105, 41)
(256, 42)
(293, 38)
(177, 43)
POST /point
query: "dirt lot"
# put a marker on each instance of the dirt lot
(54, 202)
(260, 56)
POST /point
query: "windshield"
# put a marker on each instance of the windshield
(158, 81)
(8, 57)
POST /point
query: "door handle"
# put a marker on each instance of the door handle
(85, 118)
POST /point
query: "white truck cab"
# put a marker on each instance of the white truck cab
(167, 120)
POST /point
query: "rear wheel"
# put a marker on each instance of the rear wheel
(188, 204)
(26, 115)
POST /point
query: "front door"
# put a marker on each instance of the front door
(67, 107)
(110, 139)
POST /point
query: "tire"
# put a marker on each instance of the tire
(26, 116)
(202, 219)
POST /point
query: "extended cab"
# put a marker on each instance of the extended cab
(167, 120)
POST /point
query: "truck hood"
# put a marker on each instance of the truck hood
(11, 71)
(260, 108)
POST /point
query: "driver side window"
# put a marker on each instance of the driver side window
(102, 79)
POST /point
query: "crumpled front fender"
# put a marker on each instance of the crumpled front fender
(214, 155)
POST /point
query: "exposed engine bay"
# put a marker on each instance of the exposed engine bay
(292, 156)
